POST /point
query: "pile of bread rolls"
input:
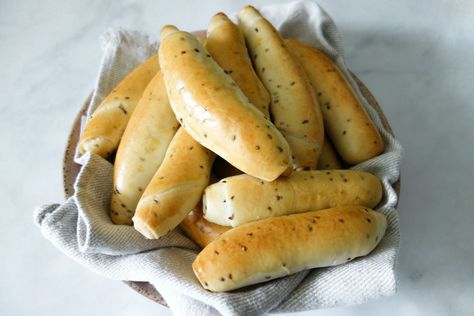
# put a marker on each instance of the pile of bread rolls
(240, 139)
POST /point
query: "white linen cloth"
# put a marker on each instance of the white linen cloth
(81, 227)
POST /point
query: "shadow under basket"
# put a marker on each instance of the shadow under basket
(71, 170)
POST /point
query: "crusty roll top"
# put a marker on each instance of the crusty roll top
(215, 112)
(350, 128)
(108, 122)
(176, 187)
(294, 106)
(142, 149)
(241, 199)
(278, 246)
(226, 44)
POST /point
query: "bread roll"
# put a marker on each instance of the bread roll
(215, 112)
(328, 159)
(142, 149)
(278, 246)
(294, 106)
(176, 187)
(106, 125)
(353, 133)
(226, 44)
(241, 199)
(199, 229)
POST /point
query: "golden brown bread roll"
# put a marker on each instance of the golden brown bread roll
(328, 159)
(176, 187)
(241, 199)
(105, 127)
(199, 229)
(353, 133)
(294, 106)
(279, 246)
(215, 112)
(142, 149)
(226, 44)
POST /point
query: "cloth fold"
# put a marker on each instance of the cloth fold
(81, 227)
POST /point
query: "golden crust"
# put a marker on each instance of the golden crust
(215, 112)
(353, 133)
(176, 187)
(105, 128)
(226, 44)
(199, 229)
(241, 199)
(328, 160)
(142, 149)
(278, 246)
(294, 106)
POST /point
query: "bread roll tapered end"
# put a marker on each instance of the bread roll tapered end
(248, 16)
(141, 225)
(217, 20)
(167, 30)
(100, 145)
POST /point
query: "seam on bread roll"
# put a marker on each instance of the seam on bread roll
(275, 247)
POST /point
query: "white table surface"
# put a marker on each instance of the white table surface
(417, 57)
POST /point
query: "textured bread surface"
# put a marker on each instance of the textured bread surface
(241, 199)
(226, 44)
(350, 128)
(328, 159)
(294, 106)
(176, 188)
(201, 231)
(215, 112)
(278, 246)
(105, 127)
(142, 149)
